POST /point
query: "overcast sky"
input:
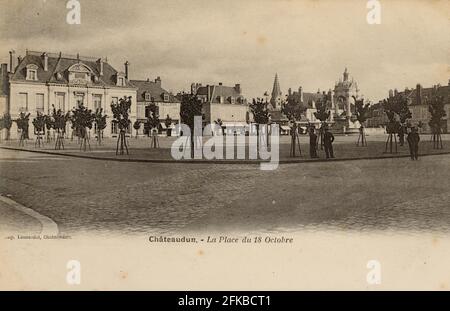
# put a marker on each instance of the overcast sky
(307, 43)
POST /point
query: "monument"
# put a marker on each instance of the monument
(346, 92)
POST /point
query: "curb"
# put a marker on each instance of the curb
(49, 227)
(201, 161)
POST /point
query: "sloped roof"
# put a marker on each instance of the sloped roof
(60, 63)
(427, 94)
(276, 90)
(308, 98)
(155, 90)
(217, 91)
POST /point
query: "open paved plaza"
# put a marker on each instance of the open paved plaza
(86, 195)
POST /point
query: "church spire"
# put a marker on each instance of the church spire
(275, 100)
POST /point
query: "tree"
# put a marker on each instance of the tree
(100, 124)
(437, 111)
(23, 125)
(322, 114)
(362, 115)
(397, 112)
(137, 126)
(120, 112)
(190, 107)
(82, 119)
(49, 124)
(7, 124)
(153, 124)
(168, 124)
(293, 110)
(59, 124)
(39, 129)
(261, 116)
(219, 122)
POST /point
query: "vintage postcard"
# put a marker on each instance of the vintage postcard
(224, 145)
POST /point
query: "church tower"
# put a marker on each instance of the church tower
(276, 98)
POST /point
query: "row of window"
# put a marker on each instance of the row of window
(77, 77)
(60, 101)
(148, 97)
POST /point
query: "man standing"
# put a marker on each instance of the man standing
(312, 143)
(413, 142)
(401, 135)
(328, 139)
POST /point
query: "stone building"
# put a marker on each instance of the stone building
(40, 81)
(340, 101)
(151, 93)
(418, 101)
(222, 102)
(309, 100)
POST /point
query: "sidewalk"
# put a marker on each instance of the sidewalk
(14, 222)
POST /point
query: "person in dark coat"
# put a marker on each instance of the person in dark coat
(328, 139)
(401, 135)
(312, 143)
(413, 142)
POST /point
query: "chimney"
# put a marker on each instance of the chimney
(237, 87)
(300, 93)
(391, 93)
(45, 56)
(19, 60)
(290, 92)
(220, 83)
(12, 61)
(4, 78)
(418, 94)
(395, 92)
(158, 81)
(127, 64)
(100, 66)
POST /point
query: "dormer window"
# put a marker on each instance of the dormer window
(79, 74)
(232, 100)
(221, 99)
(148, 96)
(120, 79)
(32, 72)
(166, 97)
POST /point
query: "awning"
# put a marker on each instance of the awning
(163, 125)
(232, 124)
(285, 128)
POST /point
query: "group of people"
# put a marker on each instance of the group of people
(413, 140)
(328, 139)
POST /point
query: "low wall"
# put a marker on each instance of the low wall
(375, 131)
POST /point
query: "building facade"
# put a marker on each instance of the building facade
(40, 81)
(419, 101)
(225, 103)
(151, 93)
(340, 102)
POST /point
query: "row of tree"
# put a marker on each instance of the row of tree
(83, 119)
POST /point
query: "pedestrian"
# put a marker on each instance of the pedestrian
(312, 143)
(413, 142)
(401, 135)
(328, 139)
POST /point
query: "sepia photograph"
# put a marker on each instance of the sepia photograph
(224, 145)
